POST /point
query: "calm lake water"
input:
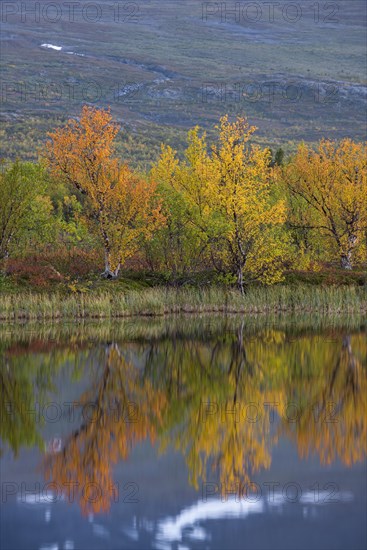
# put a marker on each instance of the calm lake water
(184, 433)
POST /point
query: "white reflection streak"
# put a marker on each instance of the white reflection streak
(325, 497)
(39, 498)
(100, 531)
(171, 529)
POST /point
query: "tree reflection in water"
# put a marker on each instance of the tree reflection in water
(222, 398)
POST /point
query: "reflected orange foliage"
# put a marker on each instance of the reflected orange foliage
(125, 411)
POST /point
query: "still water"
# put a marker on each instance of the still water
(184, 433)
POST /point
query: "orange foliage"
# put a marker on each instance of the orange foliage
(121, 203)
(118, 412)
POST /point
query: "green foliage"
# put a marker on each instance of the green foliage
(176, 247)
(279, 157)
(25, 208)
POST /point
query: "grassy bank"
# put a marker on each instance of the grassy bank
(161, 301)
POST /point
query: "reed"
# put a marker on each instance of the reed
(161, 301)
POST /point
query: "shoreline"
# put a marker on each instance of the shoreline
(164, 301)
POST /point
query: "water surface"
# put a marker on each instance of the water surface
(184, 433)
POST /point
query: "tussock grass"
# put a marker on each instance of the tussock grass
(162, 301)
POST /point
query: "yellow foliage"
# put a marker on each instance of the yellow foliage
(328, 190)
(230, 199)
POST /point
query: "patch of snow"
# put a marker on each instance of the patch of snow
(51, 47)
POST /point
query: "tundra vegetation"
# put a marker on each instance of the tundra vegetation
(221, 213)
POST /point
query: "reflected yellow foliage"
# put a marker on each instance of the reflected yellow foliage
(333, 425)
(214, 401)
(222, 398)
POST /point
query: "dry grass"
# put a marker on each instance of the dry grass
(161, 301)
